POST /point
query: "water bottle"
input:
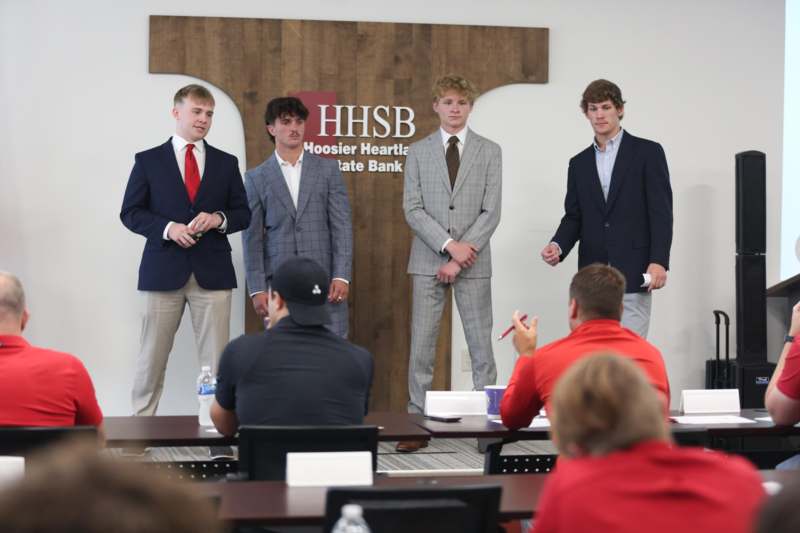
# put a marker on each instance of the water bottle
(206, 387)
(352, 520)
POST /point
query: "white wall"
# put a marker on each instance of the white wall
(703, 78)
(790, 225)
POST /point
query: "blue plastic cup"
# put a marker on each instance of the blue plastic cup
(494, 395)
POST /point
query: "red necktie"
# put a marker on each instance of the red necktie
(192, 173)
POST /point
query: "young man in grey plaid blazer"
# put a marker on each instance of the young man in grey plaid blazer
(300, 208)
(451, 200)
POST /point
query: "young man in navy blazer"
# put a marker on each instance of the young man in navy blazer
(618, 205)
(184, 197)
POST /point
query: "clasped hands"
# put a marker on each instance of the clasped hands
(187, 235)
(463, 255)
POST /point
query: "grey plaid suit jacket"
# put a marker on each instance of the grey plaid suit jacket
(468, 212)
(320, 228)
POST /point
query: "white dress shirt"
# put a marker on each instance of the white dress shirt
(605, 159)
(291, 173)
(179, 145)
(462, 138)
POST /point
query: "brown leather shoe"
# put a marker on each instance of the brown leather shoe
(409, 446)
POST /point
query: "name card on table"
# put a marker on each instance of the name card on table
(328, 469)
(710, 401)
(460, 403)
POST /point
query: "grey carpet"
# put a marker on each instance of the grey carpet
(440, 455)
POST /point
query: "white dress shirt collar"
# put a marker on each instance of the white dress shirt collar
(179, 143)
(282, 162)
(462, 136)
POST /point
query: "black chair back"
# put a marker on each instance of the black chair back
(24, 440)
(467, 509)
(263, 449)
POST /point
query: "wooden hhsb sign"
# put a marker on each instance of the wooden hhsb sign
(368, 88)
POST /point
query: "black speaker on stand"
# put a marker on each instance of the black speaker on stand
(752, 369)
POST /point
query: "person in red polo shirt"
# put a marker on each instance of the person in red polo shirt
(782, 398)
(40, 387)
(595, 309)
(618, 470)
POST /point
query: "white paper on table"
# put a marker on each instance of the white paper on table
(537, 422)
(712, 419)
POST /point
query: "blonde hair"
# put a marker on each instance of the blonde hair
(604, 403)
(451, 82)
(195, 91)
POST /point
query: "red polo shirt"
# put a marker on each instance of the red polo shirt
(43, 387)
(652, 487)
(789, 381)
(534, 377)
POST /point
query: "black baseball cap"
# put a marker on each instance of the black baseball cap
(303, 284)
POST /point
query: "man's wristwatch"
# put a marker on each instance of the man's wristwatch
(788, 338)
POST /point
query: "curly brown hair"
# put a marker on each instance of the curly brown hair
(451, 82)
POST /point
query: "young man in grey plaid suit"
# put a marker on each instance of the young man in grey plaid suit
(300, 208)
(451, 200)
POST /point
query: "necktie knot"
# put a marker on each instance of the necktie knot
(452, 140)
(189, 147)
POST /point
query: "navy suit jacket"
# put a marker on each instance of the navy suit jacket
(631, 229)
(156, 195)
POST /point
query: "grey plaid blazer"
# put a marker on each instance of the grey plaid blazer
(469, 212)
(320, 228)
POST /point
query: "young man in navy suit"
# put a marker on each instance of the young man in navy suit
(618, 205)
(184, 197)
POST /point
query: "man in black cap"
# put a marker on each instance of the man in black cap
(297, 372)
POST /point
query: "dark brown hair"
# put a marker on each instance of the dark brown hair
(600, 91)
(284, 106)
(598, 290)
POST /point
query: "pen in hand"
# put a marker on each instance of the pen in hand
(511, 328)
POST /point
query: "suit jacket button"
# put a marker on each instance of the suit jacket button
(452, 207)
(298, 229)
(607, 225)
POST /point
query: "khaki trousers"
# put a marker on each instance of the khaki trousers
(210, 312)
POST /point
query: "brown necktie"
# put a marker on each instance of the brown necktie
(451, 156)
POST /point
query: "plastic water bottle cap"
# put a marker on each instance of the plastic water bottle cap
(352, 510)
(205, 369)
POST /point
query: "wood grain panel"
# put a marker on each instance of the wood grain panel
(364, 63)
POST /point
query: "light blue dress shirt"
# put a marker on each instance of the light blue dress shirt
(605, 161)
